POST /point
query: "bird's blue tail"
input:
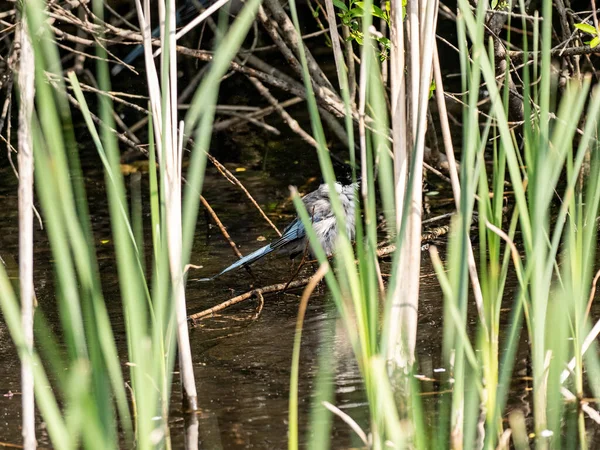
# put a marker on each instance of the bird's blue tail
(245, 261)
(292, 234)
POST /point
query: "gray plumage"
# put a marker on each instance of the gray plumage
(293, 240)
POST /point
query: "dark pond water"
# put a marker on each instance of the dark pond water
(242, 358)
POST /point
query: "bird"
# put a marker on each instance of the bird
(294, 238)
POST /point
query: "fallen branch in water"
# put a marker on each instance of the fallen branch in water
(384, 250)
(195, 318)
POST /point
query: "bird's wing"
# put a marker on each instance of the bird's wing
(292, 232)
(295, 230)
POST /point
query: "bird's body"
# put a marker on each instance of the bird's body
(294, 239)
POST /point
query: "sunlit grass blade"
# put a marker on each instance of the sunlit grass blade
(45, 399)
(321, 418)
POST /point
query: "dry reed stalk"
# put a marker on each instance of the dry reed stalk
(192, 431)
(336, 46)
(201, 17)
(404, 309)
(398, 103)
(169, 143)
(25, 158)
(174, 226)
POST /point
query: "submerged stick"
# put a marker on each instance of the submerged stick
(195, 318)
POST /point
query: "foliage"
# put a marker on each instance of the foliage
(590, 29)
(351, 15)
(552, 258)
(88, 404)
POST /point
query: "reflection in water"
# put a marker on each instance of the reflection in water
(242, 357)
(191, 432)
(245, 368)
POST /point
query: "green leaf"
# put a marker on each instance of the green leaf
(341, 5)
(586, 28)
(595, 42)
(432, 89)
(385, 42)
(375, 10)
(346, 19)
(378, 12)
(356, 12)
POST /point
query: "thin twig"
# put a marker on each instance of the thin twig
(221, 227)
(233, 179)
(454, 180)
(349, 421)
(223, 230)
(224, 124)
(291, 122)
